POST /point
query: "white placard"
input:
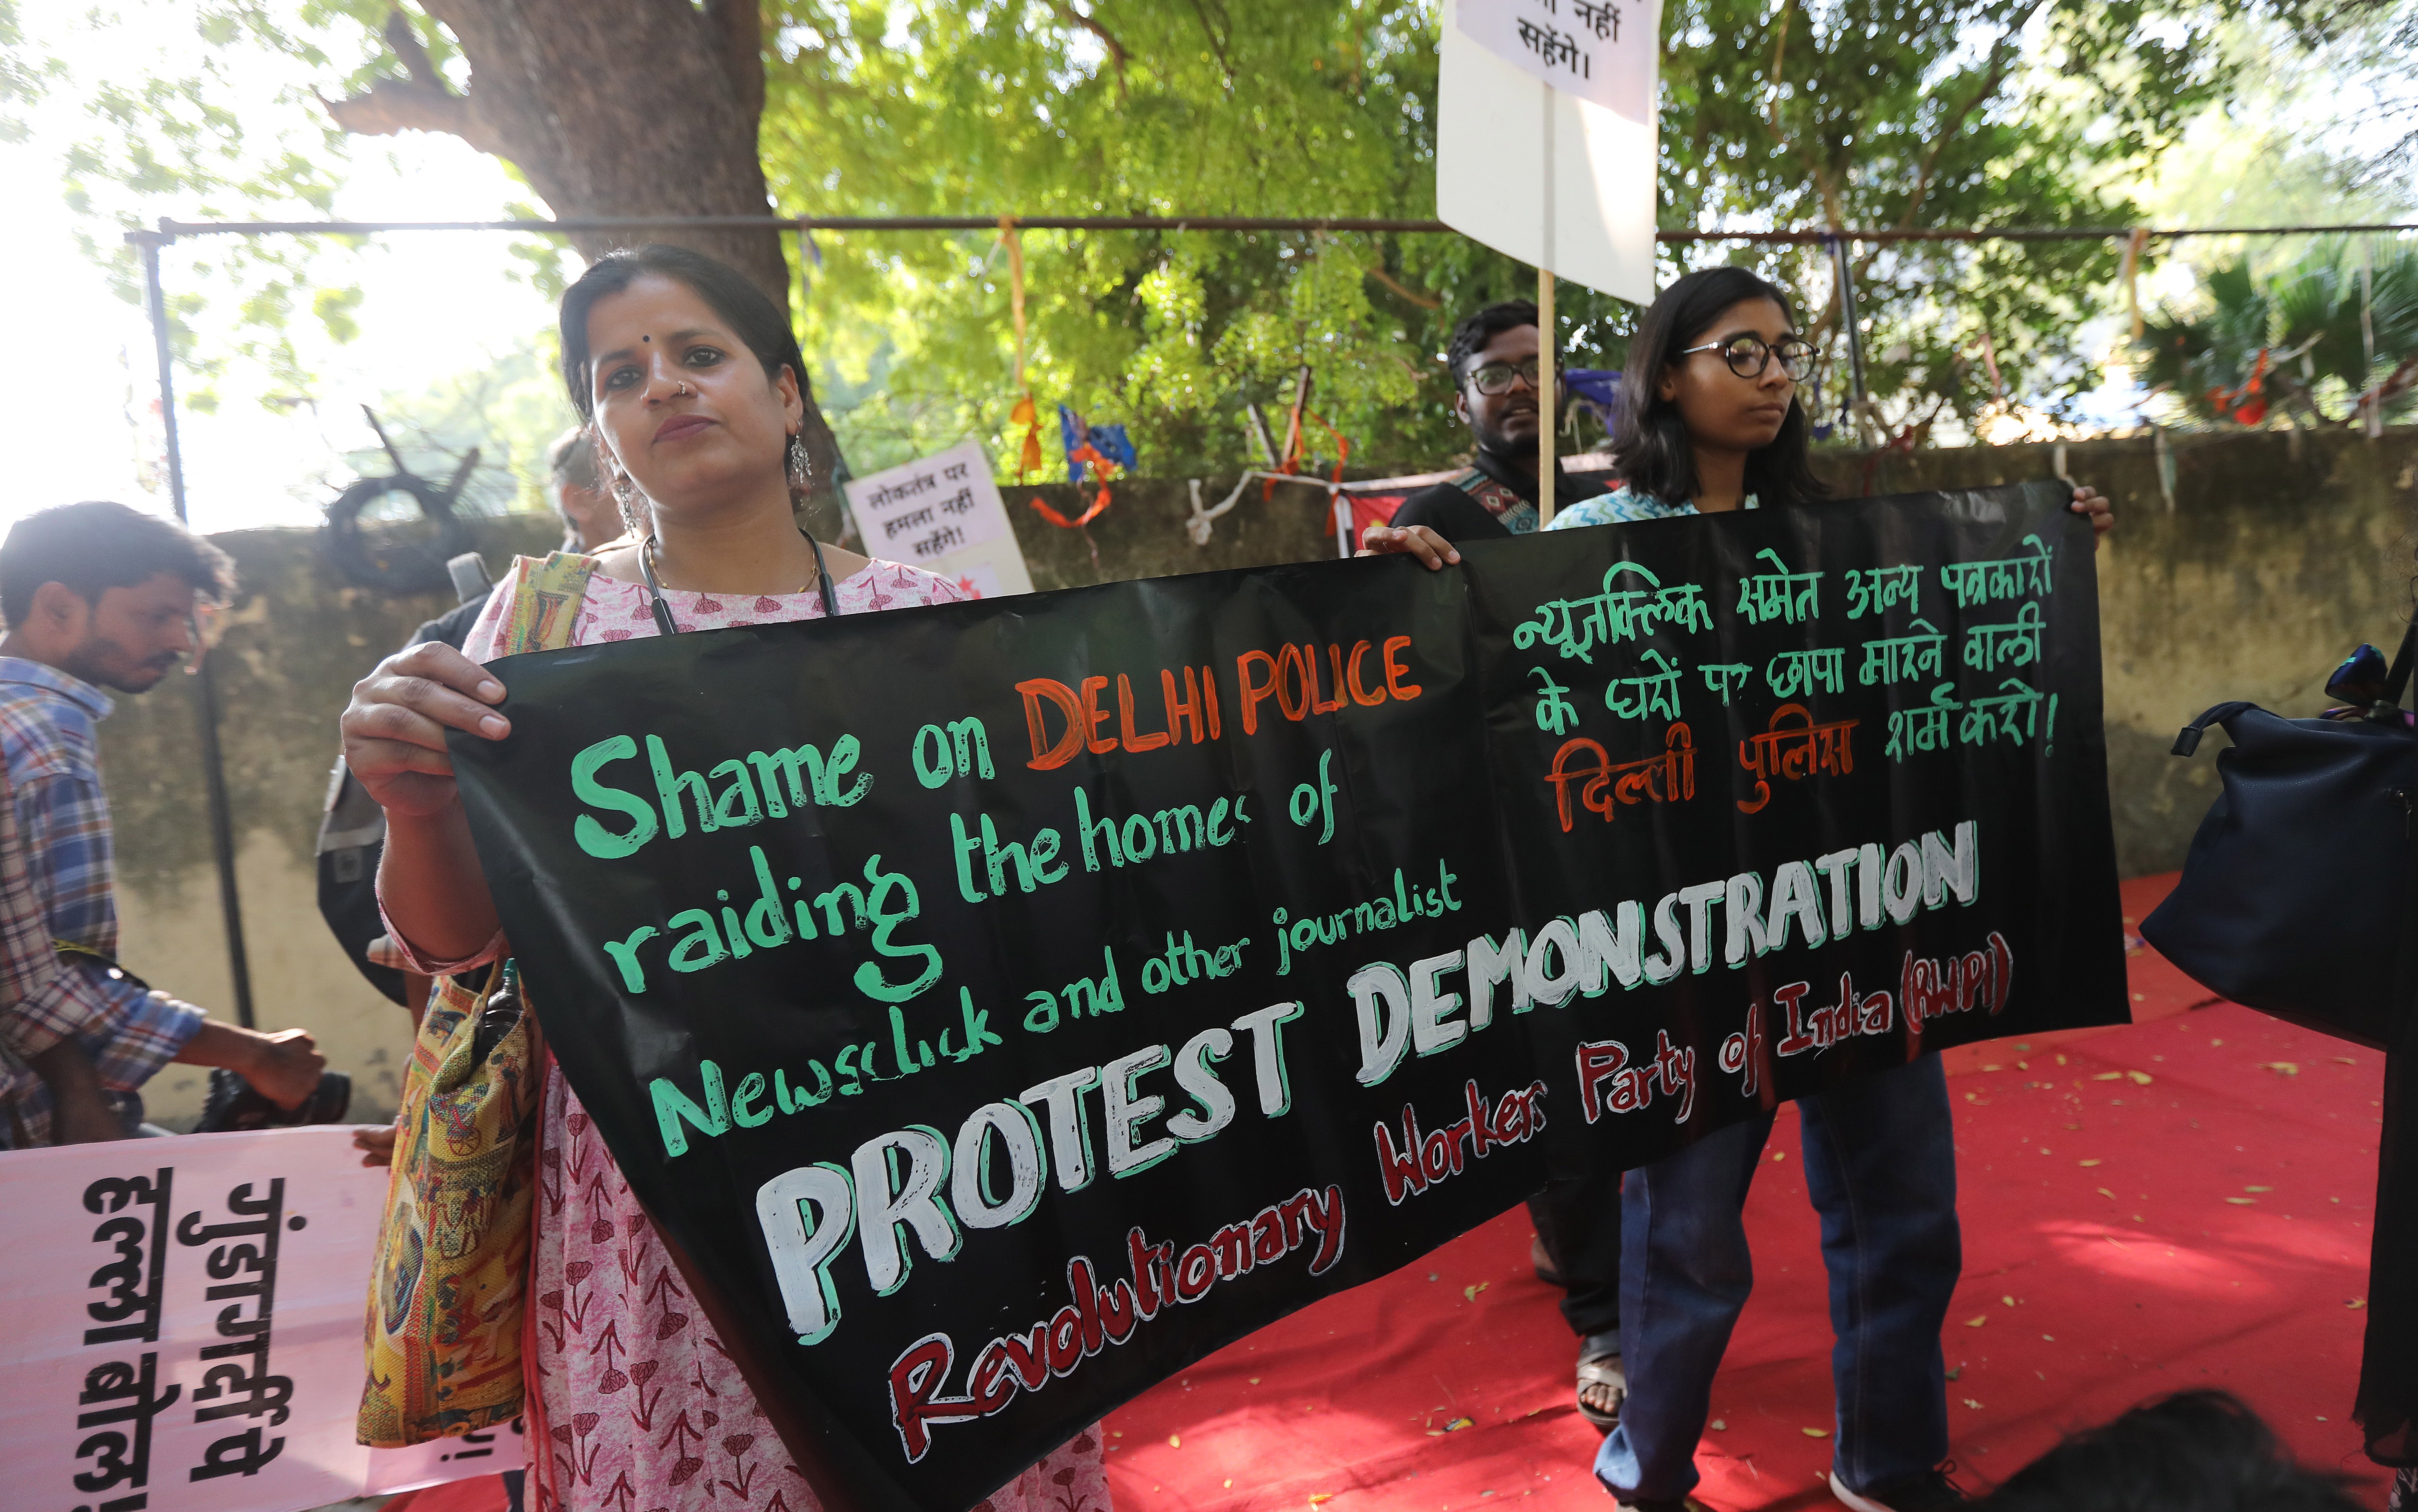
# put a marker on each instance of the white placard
(184, 1328)
(943, 514)
(1544, 174)
(1597, 50)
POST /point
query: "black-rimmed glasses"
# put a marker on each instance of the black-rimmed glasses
(1497, 377)
(1747, 356)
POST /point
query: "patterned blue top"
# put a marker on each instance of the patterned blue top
(1623, 506)
(62, 822)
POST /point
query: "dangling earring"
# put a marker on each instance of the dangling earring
(797, 467)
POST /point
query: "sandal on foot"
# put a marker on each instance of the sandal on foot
(1602, 1371)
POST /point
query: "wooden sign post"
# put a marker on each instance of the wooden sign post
(1545, 151)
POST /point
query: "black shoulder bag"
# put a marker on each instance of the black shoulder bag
(2293, 898)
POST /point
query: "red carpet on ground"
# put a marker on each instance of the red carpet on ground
(2179, 1202)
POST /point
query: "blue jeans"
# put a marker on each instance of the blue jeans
(1880, 1163)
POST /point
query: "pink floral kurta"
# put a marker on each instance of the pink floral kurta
(643, 1410)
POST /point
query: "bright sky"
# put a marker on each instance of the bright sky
(435, 305)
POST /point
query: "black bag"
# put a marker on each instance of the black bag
(2293, 896)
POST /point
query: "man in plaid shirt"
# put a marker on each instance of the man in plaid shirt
(96, 595)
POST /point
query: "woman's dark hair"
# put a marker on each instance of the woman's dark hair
(2198, 1451)
(755, 319)
(96, 545)
(1651, 449)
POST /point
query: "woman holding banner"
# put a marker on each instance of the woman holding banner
(688, 379)
(1710, 424)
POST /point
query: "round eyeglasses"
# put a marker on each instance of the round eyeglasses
(1497, 377)
(1747, 356)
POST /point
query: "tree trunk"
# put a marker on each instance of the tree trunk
(611, 108)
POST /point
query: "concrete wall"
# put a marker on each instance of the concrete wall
(2277, 555)
(2274, 561)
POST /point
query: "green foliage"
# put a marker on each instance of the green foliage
(2304, 320)
(1774, 113)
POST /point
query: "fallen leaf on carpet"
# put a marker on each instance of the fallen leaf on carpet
(1174, 1442)
(2356, 1302)
(1460, 1423)
(1469, 1293)
(1229, 1483)
(1976, 1322)
(2281, 1068)
(1958, 1371)
(1816, 1434)
(1317, 1497)
(2344, 1060)
(2259, 1188)
(2242, 1201)
(2140, 1079)
(1970, 1403)
(1717, 1426)
(1992, 1068)
(1779, 1154)
(2105, 1193)
(2090, 1162)
(1255, 1380)
(2050, 1338)
(2109, 1076)
(2009, 1301)
(1432, 1275)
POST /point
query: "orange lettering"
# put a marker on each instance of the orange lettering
(1253, 697)
(1395, 671)
(1186, 708)
(1208, 695)
(1335, 660)
(1047, 754)
(1095, 716)
(1352, 679)
(1125, 718)
(1290, 659)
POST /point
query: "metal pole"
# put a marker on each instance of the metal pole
(213, 758)
(1883, 235)
(1858, 400)
(2374, 418)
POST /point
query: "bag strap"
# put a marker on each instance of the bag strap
(2396, 681)
(2188, 741)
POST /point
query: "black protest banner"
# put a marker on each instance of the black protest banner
(1005, 1005)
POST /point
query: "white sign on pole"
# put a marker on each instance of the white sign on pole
(1597, 50)
(1551, 175)
(184, 1328)
(942, 514)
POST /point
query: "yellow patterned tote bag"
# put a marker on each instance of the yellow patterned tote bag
(449, 1288)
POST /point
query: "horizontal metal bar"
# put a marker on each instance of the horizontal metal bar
(170, 230)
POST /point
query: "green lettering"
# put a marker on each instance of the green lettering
(593, 837)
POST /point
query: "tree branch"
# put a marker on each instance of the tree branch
(1066, 12)
(1217, 46)
(1425, 301)
(420, 101)
(2002, 57)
